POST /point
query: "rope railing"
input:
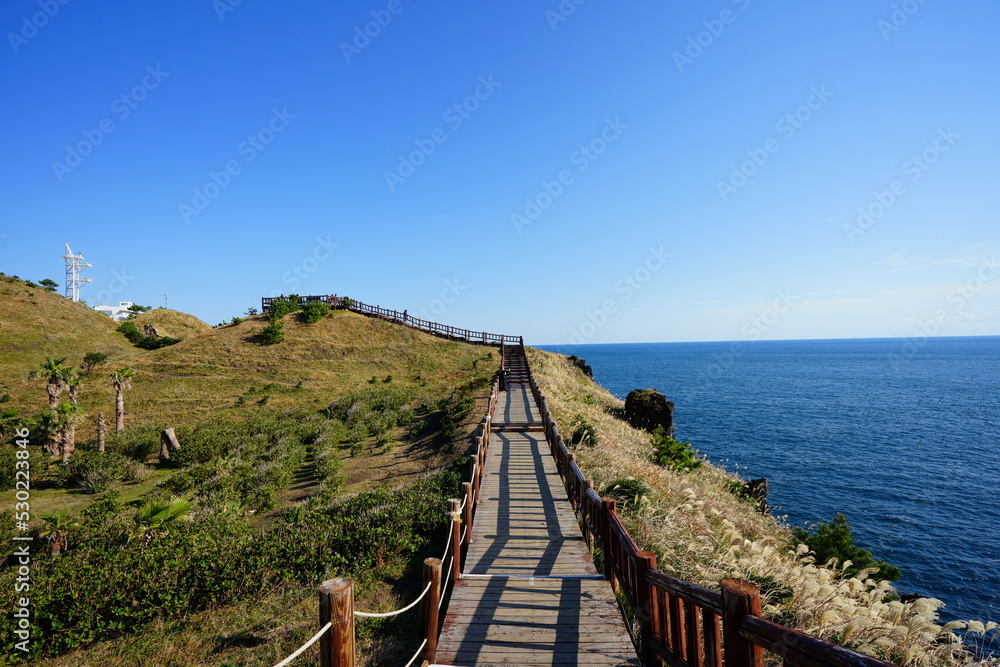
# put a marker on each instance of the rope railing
(390, 614)
(302, 648)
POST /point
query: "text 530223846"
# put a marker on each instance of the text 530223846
(22, 550)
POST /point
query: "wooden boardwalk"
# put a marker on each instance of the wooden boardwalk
(530, 594)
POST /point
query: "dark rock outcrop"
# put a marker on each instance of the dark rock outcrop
(648, 409)
(582, 365)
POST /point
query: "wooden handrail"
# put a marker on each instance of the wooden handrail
(434, 328)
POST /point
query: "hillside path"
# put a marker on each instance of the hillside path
(530, 594)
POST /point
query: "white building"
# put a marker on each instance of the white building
(118, 313)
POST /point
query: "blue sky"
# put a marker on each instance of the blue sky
(592, 172)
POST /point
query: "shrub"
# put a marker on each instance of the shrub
(314, 311)
(236, 320)
(139, 443)
(627, 491)
(673, 454)
(273, 333)
(93, 471)
(834, 540)
(281, 306)
(137, 338)
(584, 433)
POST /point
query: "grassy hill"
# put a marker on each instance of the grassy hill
(35, 322)
(173, 323)
(285, 447)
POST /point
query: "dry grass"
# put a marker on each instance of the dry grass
(703, 533)
(173, 323)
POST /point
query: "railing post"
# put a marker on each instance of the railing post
(467, 494)
(456, 539)
(336, 606)
(648, 614)
(609, 510)
(739, 599)
(477, 462)
(429, 615)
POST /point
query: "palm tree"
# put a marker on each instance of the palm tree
(68, 415)
(121, 380)
(156, 515)
(102, 430)
(9, 421)
(47, 426)
(73, 379)
(55, 372)
(57, 525)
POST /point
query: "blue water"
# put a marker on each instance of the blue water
(904, 439)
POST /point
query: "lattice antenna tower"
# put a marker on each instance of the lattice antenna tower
(75, 264)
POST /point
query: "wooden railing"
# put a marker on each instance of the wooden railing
(404, 318)
(681, 624)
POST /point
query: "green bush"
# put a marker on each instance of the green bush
(314, 311)
(281, 306)
(673, 454)
(628, 491)
(273, 333)
(137, 338)
(584, 433)
(139, 443)
(834, 540)
(93, 471)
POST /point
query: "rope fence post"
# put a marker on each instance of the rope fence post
(336, 606)
(429, 614)
(476, 474)
(467, 494)
(456, 538)
(739, 599)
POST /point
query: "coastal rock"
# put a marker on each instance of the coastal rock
(150, 330)
(648, 408)
(582, 365)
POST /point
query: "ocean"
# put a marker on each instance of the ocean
(902, 436)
